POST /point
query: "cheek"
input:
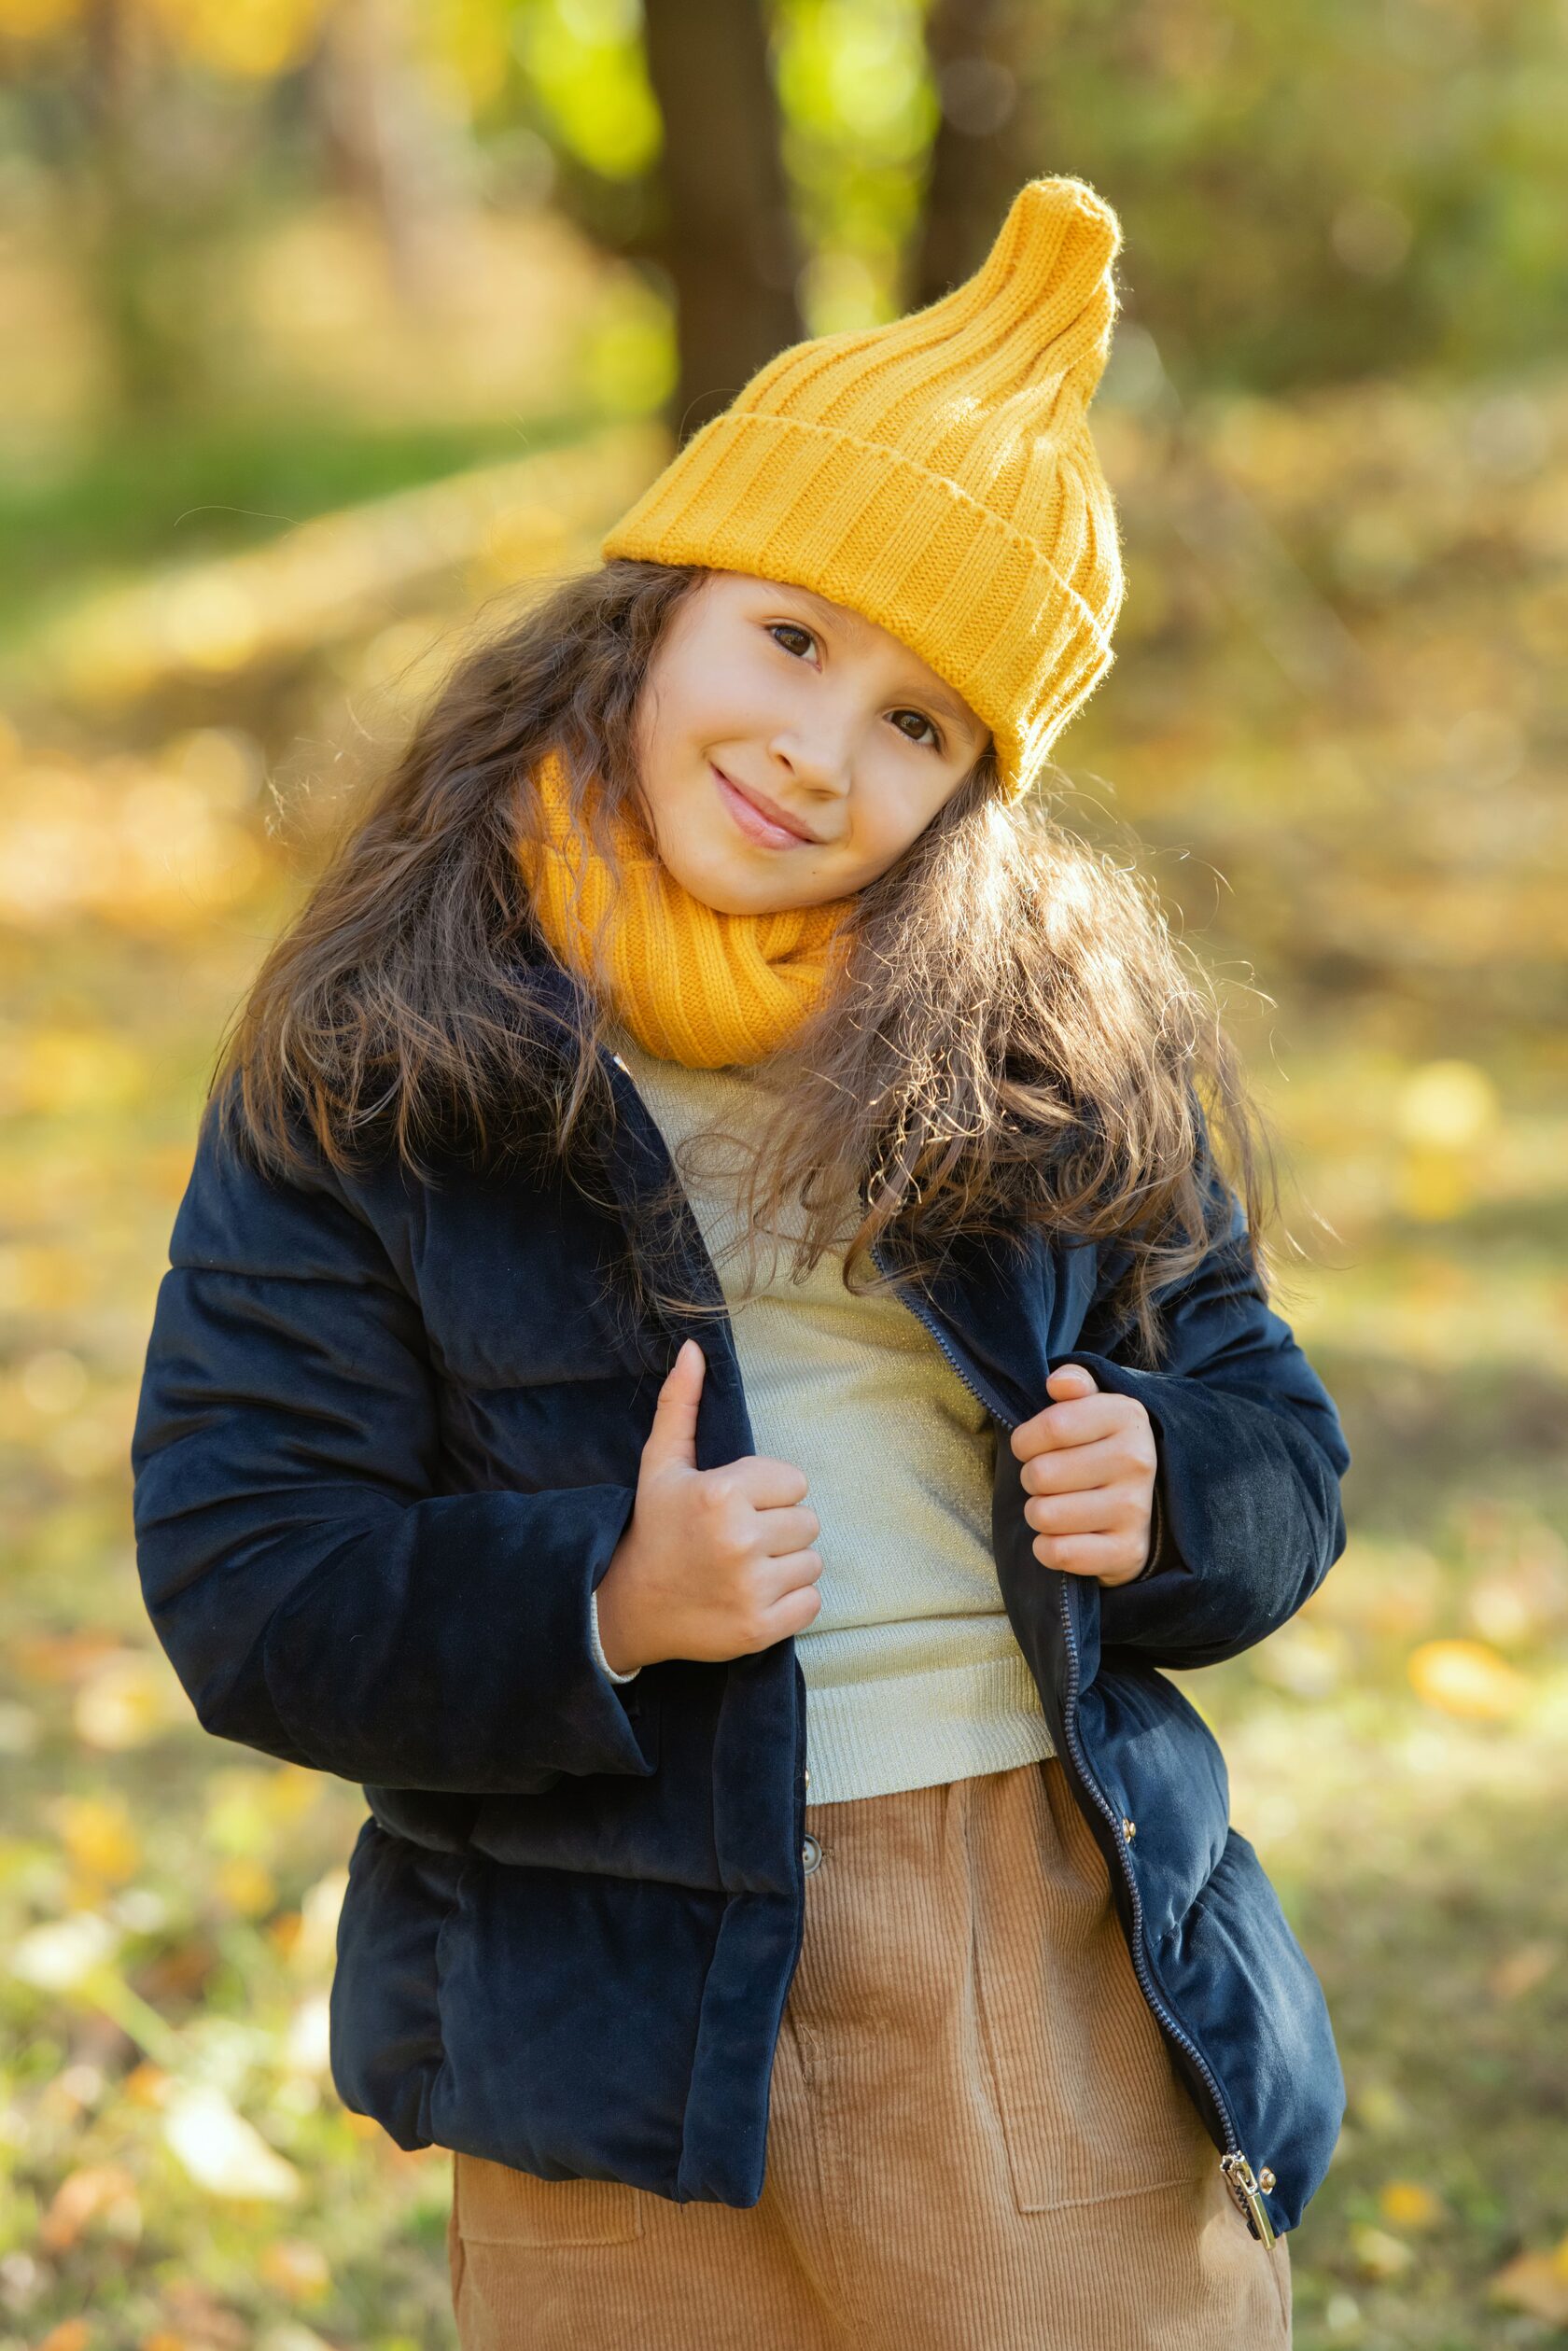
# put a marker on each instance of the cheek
(670, 749)
(887, 820)
(679, 827)
(691, 830)
(712, 689)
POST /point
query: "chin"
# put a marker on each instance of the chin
(725, 893)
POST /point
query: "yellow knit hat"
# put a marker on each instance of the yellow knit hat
(936, 475)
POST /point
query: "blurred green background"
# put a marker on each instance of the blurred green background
(330, 326)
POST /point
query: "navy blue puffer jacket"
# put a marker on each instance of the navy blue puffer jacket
(388, 1439)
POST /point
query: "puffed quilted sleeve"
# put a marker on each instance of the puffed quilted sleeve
(1250, 1457)
(318, 1595)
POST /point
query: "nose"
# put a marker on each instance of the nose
(818, 761)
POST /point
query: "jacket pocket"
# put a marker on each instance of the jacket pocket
(494, 2205)
(1089, 2104)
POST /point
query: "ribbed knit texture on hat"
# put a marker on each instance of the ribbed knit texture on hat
(693, 984)
(936, 475)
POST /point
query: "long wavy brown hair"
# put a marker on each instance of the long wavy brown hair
(1016, 1040)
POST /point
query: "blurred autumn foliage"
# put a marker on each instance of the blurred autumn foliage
(288, 402)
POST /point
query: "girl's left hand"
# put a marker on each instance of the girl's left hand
(1088, 1466)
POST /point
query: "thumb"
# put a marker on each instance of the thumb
(1080, 1382)
(673, 1436)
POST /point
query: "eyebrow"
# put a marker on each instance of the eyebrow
(938, 696)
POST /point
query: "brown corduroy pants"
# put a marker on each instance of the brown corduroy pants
(975, 2136)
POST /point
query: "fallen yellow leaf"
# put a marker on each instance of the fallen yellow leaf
(1537, 2283)
(1404, 2204)
(1519, 1972)
(221, 2150)
(1377, 2254)
(246, 1886)
(105, 2191)
(58, 1657)
(1381, 2108)
(1447, 1106)
(1468, 1679)
(98, 1833)
(127, 1700)
(298, 2269)
(282, 1932)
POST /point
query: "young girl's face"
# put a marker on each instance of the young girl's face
(789, 750)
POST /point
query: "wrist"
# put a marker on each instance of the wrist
(616, 1644)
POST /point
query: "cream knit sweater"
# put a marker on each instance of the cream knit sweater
(912, 1672)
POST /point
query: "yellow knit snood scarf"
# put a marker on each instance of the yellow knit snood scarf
(693, 984)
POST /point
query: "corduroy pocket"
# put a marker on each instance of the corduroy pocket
(1089, 2104)
(494, 2205)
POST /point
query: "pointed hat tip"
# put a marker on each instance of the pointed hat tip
(1051, 198)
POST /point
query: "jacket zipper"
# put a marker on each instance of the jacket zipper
(1239, 2175)
(1245, 2188)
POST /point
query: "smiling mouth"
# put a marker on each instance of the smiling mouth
(750, 819)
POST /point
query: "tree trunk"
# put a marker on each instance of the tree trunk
(978, 157)
(730, 245)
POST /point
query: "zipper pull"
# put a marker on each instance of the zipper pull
(1249, 2195)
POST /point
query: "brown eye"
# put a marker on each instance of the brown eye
(789, 629)
(935, 739)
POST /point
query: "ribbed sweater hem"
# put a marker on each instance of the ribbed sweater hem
(874, 1738)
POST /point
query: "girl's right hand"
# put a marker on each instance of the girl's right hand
(714, 1563)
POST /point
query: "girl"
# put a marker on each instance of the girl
(792, 1887)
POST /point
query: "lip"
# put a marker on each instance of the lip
(761, 820)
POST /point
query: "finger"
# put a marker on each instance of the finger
(1092, 1511)
(673, 1436)
(783, 1530)
(1071, 1380)
(768, 1483)
(1108, 1461)
(1081, 1554)
(793, 1613)
(781, 1574)
(1076, 1421)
